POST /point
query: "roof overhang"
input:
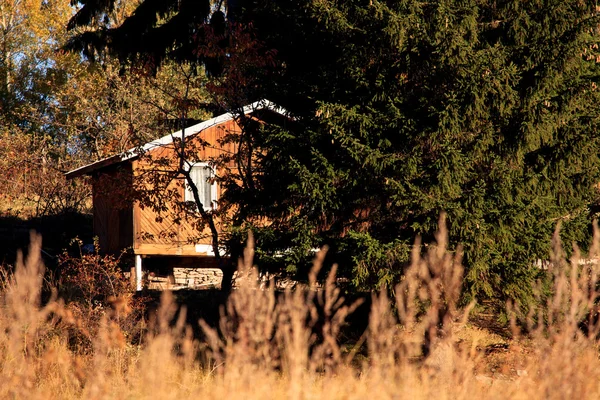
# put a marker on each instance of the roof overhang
(168, 139)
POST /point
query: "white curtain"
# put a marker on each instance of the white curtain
(201, 175)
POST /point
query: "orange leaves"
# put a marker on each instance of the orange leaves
(243, 60)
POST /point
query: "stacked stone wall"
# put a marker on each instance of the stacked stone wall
(194, 278)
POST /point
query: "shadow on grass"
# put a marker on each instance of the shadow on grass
(207, 305)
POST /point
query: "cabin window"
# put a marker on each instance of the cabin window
(202, 175)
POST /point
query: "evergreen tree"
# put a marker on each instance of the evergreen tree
(487, 110)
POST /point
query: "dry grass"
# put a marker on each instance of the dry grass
(271, 345)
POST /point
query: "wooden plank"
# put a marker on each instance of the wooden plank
(100, 218)
(168, 249)
(114, 226)
(136, 225)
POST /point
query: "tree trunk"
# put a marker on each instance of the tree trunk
(229, 266)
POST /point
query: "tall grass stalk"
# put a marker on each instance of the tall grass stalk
(287, 345)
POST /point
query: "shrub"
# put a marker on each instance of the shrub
(91, 278)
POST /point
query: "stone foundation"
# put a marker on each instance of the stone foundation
(186, 278)
(197, 278)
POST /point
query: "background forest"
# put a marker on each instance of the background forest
(399, 111)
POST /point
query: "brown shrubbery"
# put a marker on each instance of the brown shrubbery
(92, 278)
(271, 345)
(95, 289)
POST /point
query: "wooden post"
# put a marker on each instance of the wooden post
(138, 272)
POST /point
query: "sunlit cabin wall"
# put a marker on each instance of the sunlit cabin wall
(165, 237)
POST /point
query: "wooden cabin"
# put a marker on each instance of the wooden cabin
(121, 223)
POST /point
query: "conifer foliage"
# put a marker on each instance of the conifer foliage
(487, 110)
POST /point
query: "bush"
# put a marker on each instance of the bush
(91, 278)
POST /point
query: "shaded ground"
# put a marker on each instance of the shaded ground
(56, 230)
(207, 305)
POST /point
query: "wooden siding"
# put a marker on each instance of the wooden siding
(165, 237)
(113, 217)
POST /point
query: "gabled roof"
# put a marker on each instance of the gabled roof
(168, 139)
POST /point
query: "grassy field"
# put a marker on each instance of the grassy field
(419, 344)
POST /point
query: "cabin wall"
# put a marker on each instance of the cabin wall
(113, 212)
(165, 237)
